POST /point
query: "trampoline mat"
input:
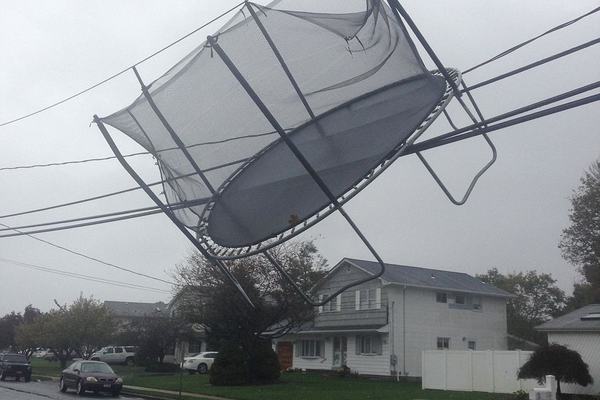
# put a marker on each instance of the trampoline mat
(274, 192)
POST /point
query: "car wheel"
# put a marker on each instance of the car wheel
(17, 378)
(61, 385)
(202, 368)
(27, 378)
(80, 388)
(2, 376)
(116, 394)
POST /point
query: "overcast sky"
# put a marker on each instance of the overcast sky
(512, 222)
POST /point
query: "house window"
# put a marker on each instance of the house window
(476, 302)
(368, 299)
(310, 348)
(443, 343)
(195, 346)
(368, 344)
(441, 297)
(459, 299)
(333, 305)
(472, 345)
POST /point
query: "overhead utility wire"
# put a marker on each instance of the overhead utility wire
(230, 10)
(80, 254)
(103, 196)
(468, 131)
(516, 71)
(140, 153)
(120, 72)
(174, 206)
(82, 276)
(518, 46)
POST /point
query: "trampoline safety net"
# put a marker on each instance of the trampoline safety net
(365, 92)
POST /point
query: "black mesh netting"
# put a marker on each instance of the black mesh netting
(360, 75)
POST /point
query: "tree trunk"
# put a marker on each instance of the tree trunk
(558, 392)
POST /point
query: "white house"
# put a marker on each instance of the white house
(381, 327)
(580, 331)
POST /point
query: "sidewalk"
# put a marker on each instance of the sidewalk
(138, 390)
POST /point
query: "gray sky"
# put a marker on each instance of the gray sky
(513, 220)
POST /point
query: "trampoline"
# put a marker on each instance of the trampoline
(280, 118)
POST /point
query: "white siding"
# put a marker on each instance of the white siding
(426, 320)
(369, 364)
(588, 346)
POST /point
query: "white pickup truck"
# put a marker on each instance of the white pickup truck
(115, 355)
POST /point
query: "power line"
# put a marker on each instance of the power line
(80, 254)
(120, 72)
(106, 195)
(140, 153)
(427, 144)
(82, 276)
(518, 46)
(114, 217)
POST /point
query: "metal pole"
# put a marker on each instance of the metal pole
(297, 153)
(219, 264)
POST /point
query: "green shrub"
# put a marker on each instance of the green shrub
(230, 367)
(264, 364)
(520, 395)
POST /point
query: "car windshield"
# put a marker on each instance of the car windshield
(96, 367)
(15, 358)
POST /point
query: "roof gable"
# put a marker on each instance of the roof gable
(423, 278)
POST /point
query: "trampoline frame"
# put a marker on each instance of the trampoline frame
(216, 254)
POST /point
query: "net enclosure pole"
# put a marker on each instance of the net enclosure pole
(297, 153)
(218, 263)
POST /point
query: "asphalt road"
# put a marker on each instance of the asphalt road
(11, 390)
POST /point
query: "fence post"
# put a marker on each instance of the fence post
(493, 371)
(471, 368)
(445, 352)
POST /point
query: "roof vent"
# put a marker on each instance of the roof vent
(591, 317)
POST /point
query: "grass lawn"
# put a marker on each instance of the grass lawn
(293, 386)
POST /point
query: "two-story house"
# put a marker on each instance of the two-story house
(381, 327)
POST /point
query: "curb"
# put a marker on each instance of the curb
(151, 394)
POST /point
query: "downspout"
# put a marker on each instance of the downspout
(404, 330)
(392, 339)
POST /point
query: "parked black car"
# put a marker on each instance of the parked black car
(95, 376)
(15, 365)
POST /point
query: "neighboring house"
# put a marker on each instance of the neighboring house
(381, 327)
(125, 313)
(580, 331)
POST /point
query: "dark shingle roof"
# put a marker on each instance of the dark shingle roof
(132, 309)
(430, 278)
(573, 322)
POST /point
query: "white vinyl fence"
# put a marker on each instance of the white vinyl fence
(479, 371)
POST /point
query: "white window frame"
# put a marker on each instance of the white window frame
(366, 345)
(367, 299)
(310, 348)
(332, 306)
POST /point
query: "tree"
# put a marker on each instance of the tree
(537, 299)
(8, 326)
(566, 366)
(79, 328)
(156, 337)
(206, 297)
(580, 242)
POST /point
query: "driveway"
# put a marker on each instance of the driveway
(11, 390)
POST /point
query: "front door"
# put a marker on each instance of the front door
(285, 355)
(340, 346)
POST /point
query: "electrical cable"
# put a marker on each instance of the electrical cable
(518, 46)
(80, 254)
(140, 153)
(82, 276)
(106, 195)
(476, 129)
(120, 72)
(174, 206)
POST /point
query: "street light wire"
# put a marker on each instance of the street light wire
(81, 254)
(522, 44)
(82, 276)
(64, 100)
